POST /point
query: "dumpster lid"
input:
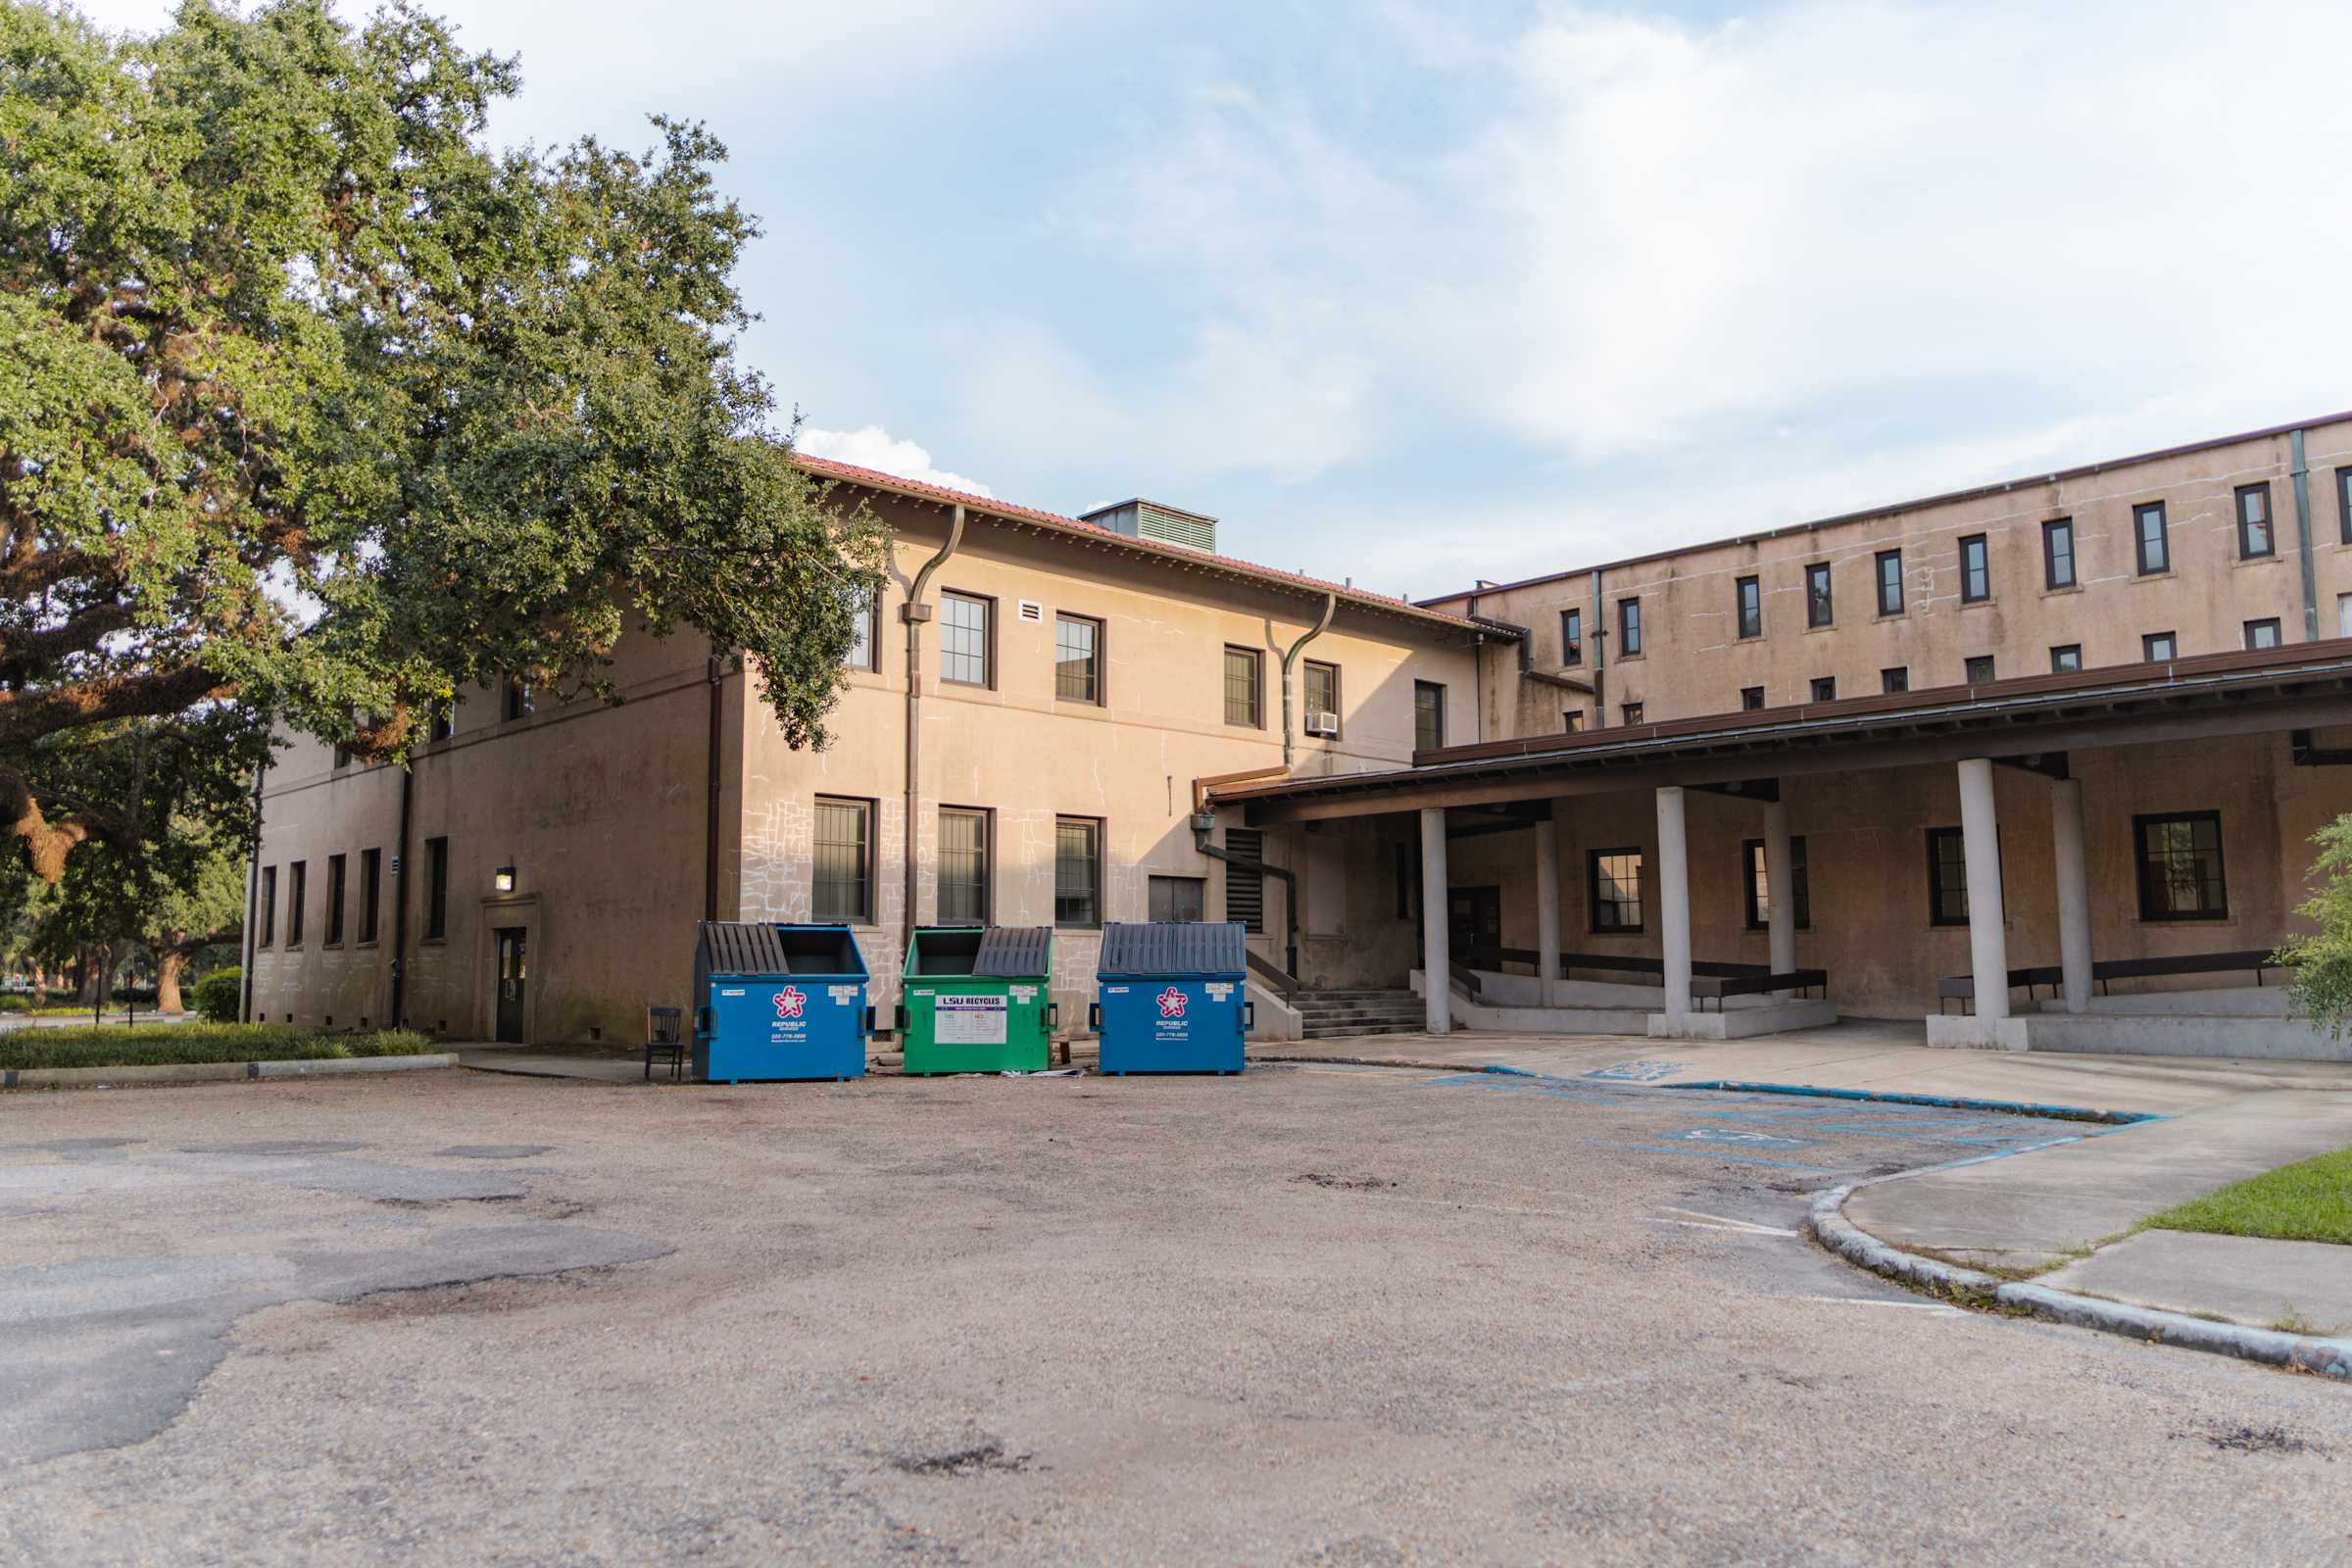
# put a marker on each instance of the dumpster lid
(1174, 948)
(757, 948)
(1015, 953)
(742, 946)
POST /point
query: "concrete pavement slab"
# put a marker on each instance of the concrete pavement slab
(2305, 1286)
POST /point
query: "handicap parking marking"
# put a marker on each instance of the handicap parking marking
(1638, 1072)
(1736, 1135)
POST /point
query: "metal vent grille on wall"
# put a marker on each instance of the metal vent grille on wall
(1149, 520)
(1245, 891)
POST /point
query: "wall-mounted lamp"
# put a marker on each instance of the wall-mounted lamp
(502, 880)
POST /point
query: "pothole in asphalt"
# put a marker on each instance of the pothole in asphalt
(970, 1462)
(477, 1298)
(2253, 1440)
(1344, 1183)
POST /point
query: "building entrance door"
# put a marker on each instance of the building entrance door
(1473, 919)
(513, 970)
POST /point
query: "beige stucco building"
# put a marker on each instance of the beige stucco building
(2114, 694)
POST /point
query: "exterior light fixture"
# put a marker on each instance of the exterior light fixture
(502, 880)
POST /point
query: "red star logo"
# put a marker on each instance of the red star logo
(790, 1001)
(1172, 1003)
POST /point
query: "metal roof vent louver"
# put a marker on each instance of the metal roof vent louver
(1149, 520)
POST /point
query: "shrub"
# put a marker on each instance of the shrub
(220, 994)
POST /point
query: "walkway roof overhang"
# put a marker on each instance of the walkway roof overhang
(2264, 691)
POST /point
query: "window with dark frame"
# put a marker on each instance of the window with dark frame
(2151, 538)
(1614, 885)
(298, 887)
(1825, 688)
(964, 840)
(1077, 872)
(1977, 670)
(1322, 682)
(865, 641)
(1572, 721)
(2254, 537)
(436, 889)
(968, 634)
(519, 699)
(2263, 633)
(337, 884)
(2181, 876)
(1177, 898)
(372, 894)
(1758, 884)
(2058, 553)
(1078, 658)
(1572, 637)
(1820, 608)
(1976, 571)
(841, 880)
(2343, 506)
(444, 721)
(1948, 876)
(1245, 889)
(1896, 679)
(1629, 629)
(1428, 715)
(2066, 659)
(269, 902)
(1751, 698)
(2159, 646)
(1890, 582)
(1633, 712)
(1245, 687)
(1747, 596)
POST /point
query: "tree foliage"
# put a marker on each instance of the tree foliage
(2322, 984)
(310, 398)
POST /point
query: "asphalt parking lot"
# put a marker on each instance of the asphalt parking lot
(1314, 1314)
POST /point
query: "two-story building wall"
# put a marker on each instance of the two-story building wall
(1074, 685)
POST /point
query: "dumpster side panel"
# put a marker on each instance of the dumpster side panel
(784, 1029)
(957, 1024)
(1191, 1025)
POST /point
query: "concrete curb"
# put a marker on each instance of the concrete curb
(2327, 1356)
(197, 1072)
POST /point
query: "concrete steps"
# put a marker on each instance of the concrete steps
(1335, 1014)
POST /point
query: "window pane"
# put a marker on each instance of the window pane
(1980, 670)
(1428, 715)
(1077, 670)
(964, 639)
(1976, 573)
(436, 887)
(2155, 550)
(1077, 872)
(2067, 659)
(1322, 688)
(2058, 553)
(1898, 679)
(861, 630)
(1818, 606)
(2157, 646)
(1241, 687)
(1751, 608)
(2181, 868)
(1178, 897)
(1572, 636)
(1949, 867)
(1629, 627)
(1751, 698)
(2254, 520)
(1890, 582)
(843, 849)
(964, 867)
(334, 897)
(1617, 890)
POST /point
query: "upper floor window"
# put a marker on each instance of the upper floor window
(2263, 633)
(2152, 538)
(1758, 884)
(2254, 540)
(298, 887)
(1572, 721)
(518, 698)
(337, 885)
(1890, 582)
(842, 883)
(2181, 866)
(1322, 682)
(2066, 659)
(1749, 596)
(1633, 712)
(966, 639)
(2058, 553)
(1176, 898)
(1751, 698)
(1825, 688)
(1572, 636)
(2159, 646)
(1077, 659)
(1978, 669)
(1629, 629)
(864, 609)
(1819, 611)
(1976, 571)
(2343, 505)
(1245, 687)
(269, 902)
(1895, 679)
(1615, 889)
(1428, 715)
(443, 720)
(371, 892)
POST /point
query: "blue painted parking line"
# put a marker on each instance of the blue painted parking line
(2120, 1118)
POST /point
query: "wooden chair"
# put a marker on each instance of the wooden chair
(666, 1037)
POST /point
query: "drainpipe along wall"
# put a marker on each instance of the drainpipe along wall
(915, 612)
(1331, 605)
(2301, 477)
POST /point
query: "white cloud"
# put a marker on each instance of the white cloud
(872, 447)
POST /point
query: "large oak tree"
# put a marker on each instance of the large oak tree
(312, 400)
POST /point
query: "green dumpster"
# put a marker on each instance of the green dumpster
(974, 999)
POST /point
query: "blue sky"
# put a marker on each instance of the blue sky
(1417, 293)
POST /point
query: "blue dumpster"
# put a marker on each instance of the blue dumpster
(1170, 997)
(779, 1001)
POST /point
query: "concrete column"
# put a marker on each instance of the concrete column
(1437, 940)
(1547, 909)
(2073, 892)
(1780, 881)
(1674, 906)
(1987, 940)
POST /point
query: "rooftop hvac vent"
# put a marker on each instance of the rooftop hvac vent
(1149, 520)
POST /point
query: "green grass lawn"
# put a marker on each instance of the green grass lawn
(117, 1045)
(2310, 1201)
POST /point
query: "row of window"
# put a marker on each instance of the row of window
(2178, 856)
(338, 900)
(843, 881)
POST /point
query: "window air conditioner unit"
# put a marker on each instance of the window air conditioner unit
(1322, 723)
